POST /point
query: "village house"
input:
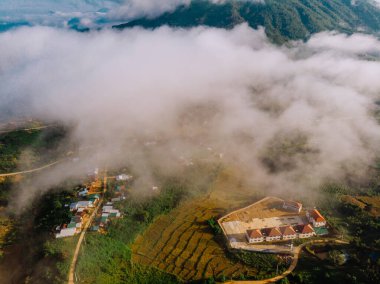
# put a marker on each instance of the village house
(316, 218)
(73, 206)
(80, 204)
(288, 233)
(83, 192)
(292, 206)
(81, 212)
(254, 236)
(110, 211)
(123, 177)
(114, 213)
(103, 221)
(107, 208)
(85, 204)
(66, 231)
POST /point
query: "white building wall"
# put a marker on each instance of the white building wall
(288, 237)
(256, 240)
(67, 232)
(308, 235)
(318, 224)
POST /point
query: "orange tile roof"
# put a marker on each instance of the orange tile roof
(254, 233)
(272, 232)
(287, 231)
(317, 216)
(307, 229)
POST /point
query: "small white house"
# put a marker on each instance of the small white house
(66, 232)
(83, 192)
(116, 199)
(85, 204)
(114, 213)
(73, 206)
(78, 225)
(123, 177)
(80, 210)
(107, 208)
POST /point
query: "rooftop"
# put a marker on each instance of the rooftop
(287, 231)
(317, 216)
(271, 232)
(293, 204)
(254, 234)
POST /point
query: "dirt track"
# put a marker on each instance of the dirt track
(297, 253)
(81, 237)
(30, 171)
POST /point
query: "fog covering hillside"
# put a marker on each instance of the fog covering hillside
(283, 20)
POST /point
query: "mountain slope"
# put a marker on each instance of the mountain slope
(283, 20)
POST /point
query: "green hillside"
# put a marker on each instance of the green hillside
(282, 19)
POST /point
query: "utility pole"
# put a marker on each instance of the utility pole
(277, 269)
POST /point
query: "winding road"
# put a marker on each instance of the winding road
(26, 129)
(32, 170)
(297, 253)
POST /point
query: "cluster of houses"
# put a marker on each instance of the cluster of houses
(314, 217)
(108, 211)
(79, 209)
(88, 201)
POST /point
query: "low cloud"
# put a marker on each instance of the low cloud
(289, 118)
(131, 9)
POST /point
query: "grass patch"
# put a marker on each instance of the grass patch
(24, 149)
(107, 258)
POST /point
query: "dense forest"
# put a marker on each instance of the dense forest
(283, 20)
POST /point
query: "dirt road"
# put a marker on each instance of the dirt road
(32, 170)
(297, 253)
(81, 237)
(26, 129)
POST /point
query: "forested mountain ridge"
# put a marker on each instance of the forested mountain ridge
(283, 19)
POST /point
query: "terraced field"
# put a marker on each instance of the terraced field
(370, 202)
(182, 243)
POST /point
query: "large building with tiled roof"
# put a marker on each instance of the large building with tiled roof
(292, 206)
(268, 221)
